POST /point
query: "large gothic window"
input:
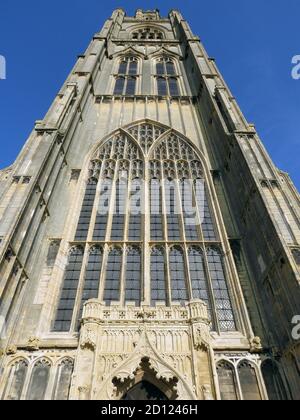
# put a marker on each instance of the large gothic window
(146, 216)
(167, 77)
(127, 76)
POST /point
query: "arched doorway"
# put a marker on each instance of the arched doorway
(144, 391)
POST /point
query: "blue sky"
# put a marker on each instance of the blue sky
(253, 43)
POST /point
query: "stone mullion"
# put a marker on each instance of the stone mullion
(238, 383)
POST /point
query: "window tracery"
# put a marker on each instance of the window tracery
(177, 213)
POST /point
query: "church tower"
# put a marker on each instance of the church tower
(149, 247)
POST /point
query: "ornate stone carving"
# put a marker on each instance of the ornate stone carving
(255, 345)
(122, 339)
(88, 339)
(11, 350)
(33, 344)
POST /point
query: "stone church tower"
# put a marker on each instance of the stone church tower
(131, 303)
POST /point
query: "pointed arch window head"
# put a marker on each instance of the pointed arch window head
(186, 261)
(167, 77)
(127, 76)
(227, 381)
(16, 381)
(249, 382)
(63, 380)
(39, 381)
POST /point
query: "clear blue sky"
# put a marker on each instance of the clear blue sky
(252, 41)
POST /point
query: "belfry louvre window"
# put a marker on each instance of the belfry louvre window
(127, 76)
(167, 77)
(174, 245)
(147, 34)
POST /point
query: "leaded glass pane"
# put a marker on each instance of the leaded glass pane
(156, 224)
(173, 86)
(206, 218)
(119, 87)
(173, 216)
(86, 211)
(170, 67)
(102, 214)
(117, 231)
(135, 217)
(113, 274)
(65, 309)
(158, 280)
(123, 67)
(133, 276)
(199, 278)
(92, 277)
(189, 210)
(221, 294)
(133, 67)
(160, 69)
(177, 273)
(130, 87)
(162, 86)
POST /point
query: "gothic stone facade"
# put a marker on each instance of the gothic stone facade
(98, 306)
